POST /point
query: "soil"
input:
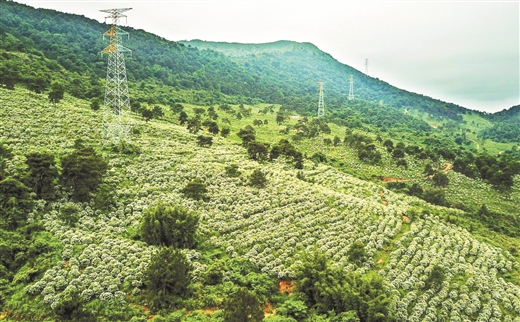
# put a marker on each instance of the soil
(405, 218)
(286, 286)
(379, 261)
(447, 167)
(390, 179)
(268, 310)
(209, 310)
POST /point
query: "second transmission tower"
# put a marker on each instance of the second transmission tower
(117, 99)
(321, 104)
(351, 89)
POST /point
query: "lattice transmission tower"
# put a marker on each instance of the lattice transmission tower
(321, 104)
(117, 99)
(366, 66)
(351, 89)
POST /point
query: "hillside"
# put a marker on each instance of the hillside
(404, 238)
(273, 76)
(230, 197)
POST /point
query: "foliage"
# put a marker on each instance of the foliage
(71, 309)
(257, 179)
(83, 171)
(15, 203)
(294, 308)
(167, 277)
(95, 103)
(69, 213)
(42, 173)
(247, 135)
(258, 151)
(204, 141)
(437, 276)
(356, 253)
(440, 179)
(167, 225)
(56, 92)
(232, 171)
(194, 125)
(262, 231)
(243, 306)
(195, 189)
(436, 196)
(333, 289)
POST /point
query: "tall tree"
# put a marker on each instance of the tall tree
(243, 306)
(56, 93)
(42, 173)
(167, 276)
(83, 171)
(15, 203)
(247, 134)
(167, 225)
(258, 151)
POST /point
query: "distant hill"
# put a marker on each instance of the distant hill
(505, 128)
(269, 72)
(66, 47)
(240, 49)
(303, 64)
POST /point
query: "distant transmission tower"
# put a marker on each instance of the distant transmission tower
(321, 104)
(351, 89)
(117, 100)
(366, 66)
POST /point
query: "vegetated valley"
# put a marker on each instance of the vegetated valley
(231, 201)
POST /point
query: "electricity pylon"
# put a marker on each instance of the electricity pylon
(117, 99)
(351, 89)
(321, 104)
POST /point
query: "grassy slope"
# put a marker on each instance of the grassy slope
(270, 226)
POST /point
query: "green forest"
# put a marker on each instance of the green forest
(230, 200)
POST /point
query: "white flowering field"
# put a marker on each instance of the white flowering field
(270, 226)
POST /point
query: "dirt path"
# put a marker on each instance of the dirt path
(390, 179)
(478, 145)
(447, 167)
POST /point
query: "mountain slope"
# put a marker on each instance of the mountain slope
(278, 71)
(303, 64)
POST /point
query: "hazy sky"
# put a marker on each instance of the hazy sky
(463, 52)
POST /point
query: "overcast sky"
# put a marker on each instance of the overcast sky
(463, 52)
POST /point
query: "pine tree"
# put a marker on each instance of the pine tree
(167, 225)
(42, 173)
(83, 171)
(243, 306)
(167, 276)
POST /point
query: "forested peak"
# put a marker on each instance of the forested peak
(245, 49)
(506, 113)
